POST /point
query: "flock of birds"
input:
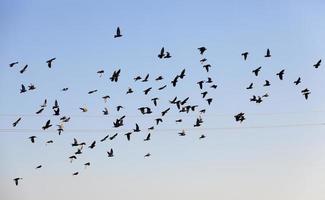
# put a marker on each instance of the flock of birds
(181, 105)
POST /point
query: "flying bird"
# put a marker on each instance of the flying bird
(250, 86)
(148, 137)
(23, 89)
(317, 64)
(32, 138)
(115, 75)
(47, 125)
(49, 62)
(162, 53)
(105, 138)
(16, 180)
(268, 54)
(16, 122)
(202, 50)
(13, 64)
(118, 33)
(23, 69)
(267, 83)
(110, 153)
(280, 74)
(297, 81)
(256, 71)
(245, 54)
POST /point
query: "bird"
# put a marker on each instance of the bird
(209, 101)
(106, 97)
(105, 138)
(93, 144)
(256, 71)
(297, 81)
(245, 54)
(202, 50)
(92, 91)
(56, 104)
(105, 111)
(49, 142)
(154, 100)
(250, 86)
(38, 167)
(202, 137)
(87, 164)
(214, 86)
(44, 104)
(83, 109)
(49, 62)
(32, 138)
(148, 137)
(146, 78)
(75, 142)
(129, 91)
(137, 78)
(306, 93)
(268, 54)
(100, 72)
(23, 69)
(207, 66)
(158, 120)
(137, 129)
(163, 87)
(115, 75)
(167, 55)
(240, 117)
(75, 174)
(182, 74)
(118, 33)
(317, 64)
(13, 64)
(146, 91)
(174, 81)
(267, 83)
(16, 180)
(200, 83)
(182, 133)
(178, 120)
(147, 155)
(110, 153)
(56, 111)
(23, 89)
(165, 111)
(47, 125)
(113, 136)
(31, 87)
(204, 94)
(118, 108)
(151, 128)
(209, 80)
(162, 53)
(159, 78)
(65, 89)
(145, 110)
(16, 122)
(280, 74)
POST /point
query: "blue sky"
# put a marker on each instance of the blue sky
(234, 161)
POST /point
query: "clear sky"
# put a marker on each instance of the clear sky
(276, 153)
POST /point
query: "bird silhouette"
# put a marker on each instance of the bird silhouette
(75, 174)
(182, 133)
(159, 78)
(32, 138)
(87, 164)
(105, 138)
(202, 50)
(118, 108)
(16, 180)
(147, 155)
(209, 100)
(202, 137)
(60, 128)
(105, 111)
(100, 72)
(47, 125)
(23, 69)
(297, 81)
(16, 122)
(129, 91)
(256, 71)
(178, 120)
(115, 75)
(204, 94)
(267, 83)
(92, 91)
(162, 53)
(106, 98)
(154, 100)
(13, 64)
(31, 87)
(214, 86)
(158, 120)
(209, 80)
(306, 93)
(113, 136)
(23, 89)
(317, 64)
(38, 167)
(146, 91)
(240, 117)
(56, 111)
(250, 86)
(163, 87)
(148, 137)
(146, 78)
(203, 60)
(110, 153)
(83, 109)
(163, 113)
(200, 83)
(268, 54)
(182, 74)
(137, 129)
(245, 54)
(167, 55)
(137, 78)
(56, 105)
(93, 144)
(118, 33)
(49, 62)
(280, 74)
(65, 89)
(207, 67)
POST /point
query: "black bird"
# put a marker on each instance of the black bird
(47, 125)
(60, 128)
(23, 89)
(147, 155)
(137, 78)
(159, 78)
(92, 145)
(146, 91)
(306, 93)
(182, 75)
(209, 80)
(118, 33)
(240, 117)
(209, 100)
(49, 142)
(49, 62)
(87, 164)
(253, 98)
(31, 87)
(158, 120)
(184, 101)
(113, 136)
(148, 137)
(245, 54)
(44, 104)
(214, 86)
(268, 54)
(115, 75)
(146, 78)
(317, 64)
(297, 81)
(110, 153)
(182, 133)
(204, 94)
(145, 110)
(137, 129)
(256, 71)
(92, 91)
(174, 81)
(105, 138)
(23, 69)
(198, 122)
(163, 87)
(38, 167)
(75, 174)
(162, 53)
(178, 120)
(154, 100)
(128, 135)
(265, 95)
(56, 111)
(203, 60)
(118, 108)
(83, 109)
(207, 66)
(100, 72)
(202, 136)
(106, 97)
(75, 142)
(72, 158)
(200, 83)
(173, 101)
(13, 64)
(151, 128)
(165, 111)
(17, 179)
(250, 86)
(280, 74)
(202, 50)
(167, 55)
(16, 122)
(105, 111)
(32, 138)
(259, 100)
(56, 104)
(267, 83)
(65, 89)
